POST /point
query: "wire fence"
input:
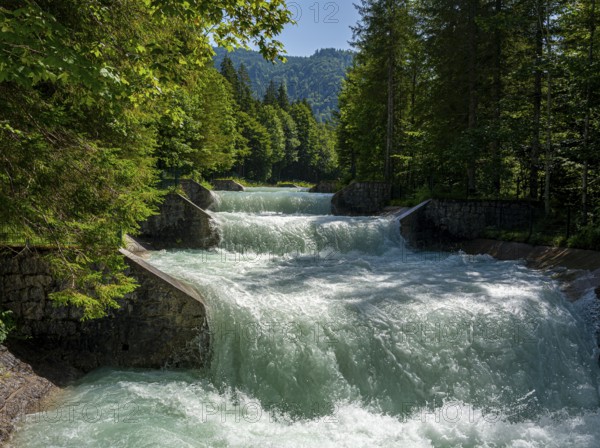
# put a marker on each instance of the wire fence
(516, 222)
(534, 226)
(169, 179)
(16, 238)
(9, 236)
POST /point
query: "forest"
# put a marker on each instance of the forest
(274, 138)
(316, 78)
(98, 99)
(104, 104)
(478, 99)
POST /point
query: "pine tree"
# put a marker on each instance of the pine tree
(282, 97)
(588, 101)
(270, 98)
(375, 131)
(229, 73)
(244, 90)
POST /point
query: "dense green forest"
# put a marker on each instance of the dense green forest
(273, 138)
(100, 100)
(96, 98)
(473, 98)
(316, 78)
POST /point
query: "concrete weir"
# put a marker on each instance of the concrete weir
(361, 199)
(180, 224)
(227, 185)
(455, 226)
(413, 226)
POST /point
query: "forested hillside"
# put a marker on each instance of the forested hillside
(274, 138)
(478, 99)
(316, 78)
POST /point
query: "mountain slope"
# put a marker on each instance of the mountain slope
(317, 78)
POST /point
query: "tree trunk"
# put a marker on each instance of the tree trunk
(472, 67)
(537, 107)
(390, 114)
(588, 111)
(584, 191)
(549, 153)
(497, 94)
(413, 96)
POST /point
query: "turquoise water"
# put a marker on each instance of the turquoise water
(328, 332)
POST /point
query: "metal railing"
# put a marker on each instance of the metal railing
(13, 237)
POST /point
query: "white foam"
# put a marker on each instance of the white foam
(354, 340)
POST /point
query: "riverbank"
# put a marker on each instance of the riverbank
(51, 347)
(23, 387)
(459, 225)
(366, 308)
(577, 269)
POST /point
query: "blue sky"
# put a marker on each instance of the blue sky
(320, 24)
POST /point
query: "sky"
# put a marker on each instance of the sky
(320, 24)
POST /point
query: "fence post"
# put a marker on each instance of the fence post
(530, 222)
(568, 221)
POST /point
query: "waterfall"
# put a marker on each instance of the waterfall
(328, 331)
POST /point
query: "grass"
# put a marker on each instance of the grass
(406, 202)
(245, 183)
(551, 231)
(206, 184)
(536, 238)
(298, 183)
(172, 184)
(254, 184)
(587, 238)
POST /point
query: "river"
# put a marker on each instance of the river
(328, 331)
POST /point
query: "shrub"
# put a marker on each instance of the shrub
(7, 324)
(587, 238)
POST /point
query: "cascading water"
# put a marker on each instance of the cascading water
(328, 332)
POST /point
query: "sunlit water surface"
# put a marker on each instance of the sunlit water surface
(328, 332)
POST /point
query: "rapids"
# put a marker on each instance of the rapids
(329, 332)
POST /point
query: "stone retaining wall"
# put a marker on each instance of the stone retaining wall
(361, 198)
(180, 224)
(468, 219)
(162, 323)
(435, 222)
(325, 187)
(199, 195)
(226, 185)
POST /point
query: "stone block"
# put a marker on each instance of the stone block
(361, 198)
(180, 224)
(226, 185)
(13, 282)
(199, 195)
(32, 265)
